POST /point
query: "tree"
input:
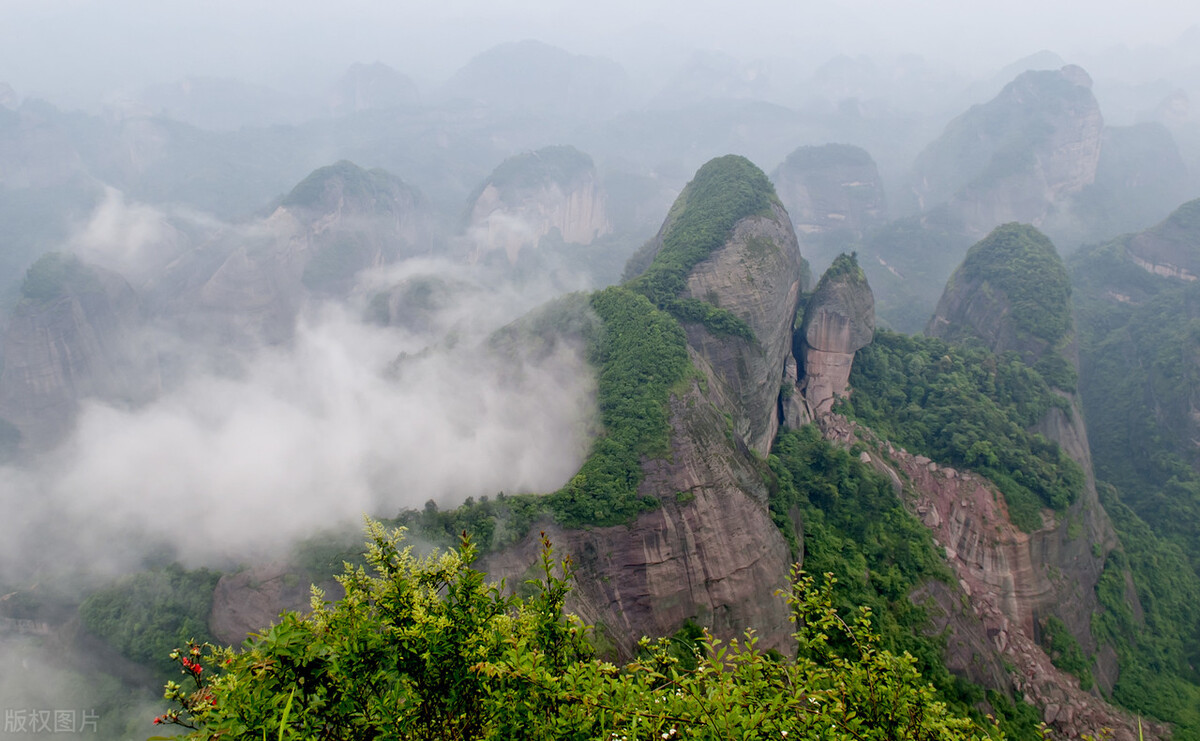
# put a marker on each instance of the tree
(425, 648)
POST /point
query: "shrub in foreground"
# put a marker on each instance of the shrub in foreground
(426, 648)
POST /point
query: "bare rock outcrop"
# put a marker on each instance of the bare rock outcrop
(710, 552)
(551, 191)
(75, 335)
(1006, 581)
(757, 275)
(250, 600)
(1011, 293)
(838, 321)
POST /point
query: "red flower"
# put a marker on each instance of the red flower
(158, 720)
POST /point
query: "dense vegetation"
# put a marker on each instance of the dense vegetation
(144, 615)
(1139, 375)
(641, 355)
(54, 274)
(1021, 262)
(1159, 645)
(844, 267)
(724, 191)
(848, 521)
(1064, 651)
(1139, 340)
(425, 649)
(854, 524)
(968, 408)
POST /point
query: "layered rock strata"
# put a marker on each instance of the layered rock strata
(1170, 249)
(1006, 580)
(710, 552)
(980, 305)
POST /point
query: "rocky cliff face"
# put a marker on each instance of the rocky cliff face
(709, 553)
(1019, 156)
(1007, 581)
(249, 600)
(831, 188)
(1012, 294)
(531, 196)
(758, 275)
(75, 335)
(838, 321)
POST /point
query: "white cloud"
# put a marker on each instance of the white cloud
(303, 437)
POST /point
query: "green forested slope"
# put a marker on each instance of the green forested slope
(723, 192)
(968, 408)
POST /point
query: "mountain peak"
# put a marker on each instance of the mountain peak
(1012, 292)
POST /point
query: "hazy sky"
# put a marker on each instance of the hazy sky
(81, 49)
